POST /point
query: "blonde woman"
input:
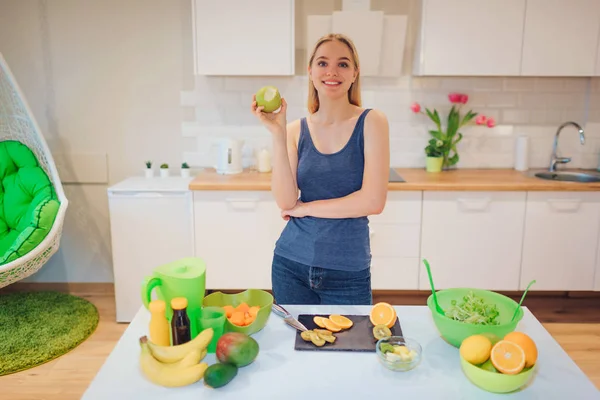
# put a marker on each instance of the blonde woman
(330, 172)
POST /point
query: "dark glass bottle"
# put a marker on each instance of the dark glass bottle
(180, 323)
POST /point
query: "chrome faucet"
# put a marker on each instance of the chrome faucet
(554, 159)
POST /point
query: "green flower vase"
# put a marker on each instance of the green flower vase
(434, 164)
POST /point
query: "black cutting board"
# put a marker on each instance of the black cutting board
(358, 338)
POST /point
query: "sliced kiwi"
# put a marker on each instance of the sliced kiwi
(323, 332)
(316, 339)
(306, 335)
(381, 331)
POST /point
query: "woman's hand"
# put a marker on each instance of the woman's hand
(299, 211)
(275, 122)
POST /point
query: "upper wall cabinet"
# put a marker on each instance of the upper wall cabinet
(509, 37)
(561, 37)
(235, 37)
(470, 37)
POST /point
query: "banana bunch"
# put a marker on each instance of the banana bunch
(174, 366)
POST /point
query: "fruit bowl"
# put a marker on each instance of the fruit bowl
(405, 357)
(496, 382)
(454, 332)
(252, 297)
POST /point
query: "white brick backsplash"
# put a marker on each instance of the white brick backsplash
(548, 85)
(532, 100)
(531, 106)
(487, 84)
(515, 116)
(502, 100)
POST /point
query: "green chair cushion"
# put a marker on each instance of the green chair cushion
(28, 202)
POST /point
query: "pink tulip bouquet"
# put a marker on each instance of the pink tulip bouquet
(443, 144)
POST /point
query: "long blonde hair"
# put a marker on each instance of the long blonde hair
(354, 92)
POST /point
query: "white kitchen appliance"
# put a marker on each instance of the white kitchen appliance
(229, 156)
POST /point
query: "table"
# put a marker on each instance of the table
(280, 372)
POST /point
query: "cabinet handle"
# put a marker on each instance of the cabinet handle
(474, 204)
(242, 204)
(371, 233)
(147, 195)
(565, 205)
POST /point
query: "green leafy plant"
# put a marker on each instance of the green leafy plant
(164, 166)
(434, 148)
(447, 131)
(148, 164)
(184, 165)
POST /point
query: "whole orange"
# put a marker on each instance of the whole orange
(527, 344)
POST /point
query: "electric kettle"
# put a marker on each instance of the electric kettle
(229, 156)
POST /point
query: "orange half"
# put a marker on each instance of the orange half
(341, 321)
(508, 357)
(383, 314)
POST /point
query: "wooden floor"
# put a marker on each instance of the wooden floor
(574, 323)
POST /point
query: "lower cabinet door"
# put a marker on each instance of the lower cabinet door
(561, 240)
(235, 234)
(472, 239)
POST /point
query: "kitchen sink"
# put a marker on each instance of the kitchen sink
(568, 176)
(395, 177)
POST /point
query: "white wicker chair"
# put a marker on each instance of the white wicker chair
(18, 123)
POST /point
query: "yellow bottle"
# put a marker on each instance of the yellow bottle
(159, 326)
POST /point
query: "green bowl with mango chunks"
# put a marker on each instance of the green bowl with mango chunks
(454, 331)
(252, 297)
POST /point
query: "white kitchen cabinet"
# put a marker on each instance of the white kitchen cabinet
(150, 225)
(395, 241)
(235, 234)
(561, 37)
(470, 37)
(472, 239)
(240, 37)
(561, 240)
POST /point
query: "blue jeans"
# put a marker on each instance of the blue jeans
(296, 283)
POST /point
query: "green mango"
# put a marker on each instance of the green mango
(219, 374)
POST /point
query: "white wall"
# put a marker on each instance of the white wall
(103, 79)
(111, 81)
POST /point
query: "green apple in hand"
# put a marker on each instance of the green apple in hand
(269, 98)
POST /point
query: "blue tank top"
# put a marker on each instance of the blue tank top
(340, 243)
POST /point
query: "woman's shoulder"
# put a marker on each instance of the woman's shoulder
(375, 120)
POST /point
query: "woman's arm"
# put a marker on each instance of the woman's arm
(285, 153)
(285, 165)
(371, 197)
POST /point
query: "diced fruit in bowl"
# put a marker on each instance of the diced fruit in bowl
(398, 353)
(500, 367)
(254, 306)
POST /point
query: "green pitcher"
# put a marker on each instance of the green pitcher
(182, 278)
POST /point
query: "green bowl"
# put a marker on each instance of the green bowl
(454, 332)
(252, 297)
(496, 382)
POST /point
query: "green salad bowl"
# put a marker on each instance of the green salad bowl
(496, 382)
(454, 332)
(252, 297)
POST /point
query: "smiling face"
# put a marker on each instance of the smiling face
(333, 70)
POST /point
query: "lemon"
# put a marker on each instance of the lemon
(476, 349)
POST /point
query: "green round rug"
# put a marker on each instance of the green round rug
(37, 327)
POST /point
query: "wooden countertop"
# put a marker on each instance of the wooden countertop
(416, 179)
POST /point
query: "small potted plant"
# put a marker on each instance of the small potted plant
(164, 170)
(149, 172)
(185, 170)
(435, 157)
